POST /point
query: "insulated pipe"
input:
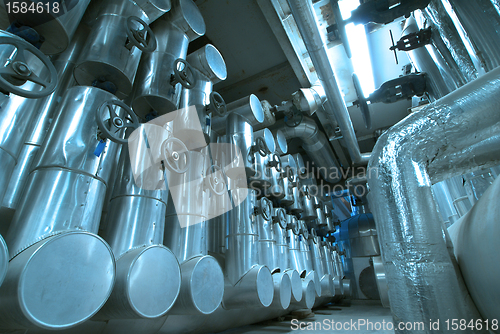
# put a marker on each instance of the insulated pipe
(248, 107)
(475, 242)
(58, 263)
(303, 13)
(153, 92)
(316, 145)
(64, 65)
(263, 173)
(448, 41)
(17, 112)
(57, 30)
(428, 60)
(402, 187)
(247, 283)
(481, 22)
(108, 57)
(209, 68)
(154, 8)
(309, 100)
(148, 274)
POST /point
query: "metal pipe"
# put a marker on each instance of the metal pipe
(428, 60)
(475, 237)
(447, 40)
(64, 65)
(154, 8)
(106, 57)
(402, 187)
(303, 13)
(481, 22)
(317, 147)
(248, 107)
(209, 68)
(57, 223)
(153, 94)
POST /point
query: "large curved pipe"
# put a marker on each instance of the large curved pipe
(303, 13)
(317, 147)
(408, 224)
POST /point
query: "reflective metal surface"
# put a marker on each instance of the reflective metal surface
(202, 286)
(57, 283)
(68, 182)
(403, 187)
(148, 280)
(56, 31)
(248, 107)
(153, 94)
(105, 57)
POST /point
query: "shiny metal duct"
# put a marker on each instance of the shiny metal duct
(427, 60)
(448, 41)
(266, 242)
(308, 100)
(64, 64)
(280, 221)
(57, 221)
(154, 8)
(110, 58)
(186, 235)
(249, 107)
(148, 276)
(481, 22)
(399, 187)
(475, 241)
(57, 30)
(154, 93)
(19, 111)
(289, 167)
(303, 13)
(265, 144)
(208, 68)
(317, 147)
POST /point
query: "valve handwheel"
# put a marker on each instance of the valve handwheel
(17, 71)
(175, 154)
(183, 74)
(281, 214)
(276, 161)
(261, 146)
(216, 180)
(138, 36)
(266, 208)
(113, 126)
(217, 104)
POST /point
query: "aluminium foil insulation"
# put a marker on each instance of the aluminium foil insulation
(447, 40)
(481, 23)
(422, 280)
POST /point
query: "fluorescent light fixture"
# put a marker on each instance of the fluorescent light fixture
(356, 35)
